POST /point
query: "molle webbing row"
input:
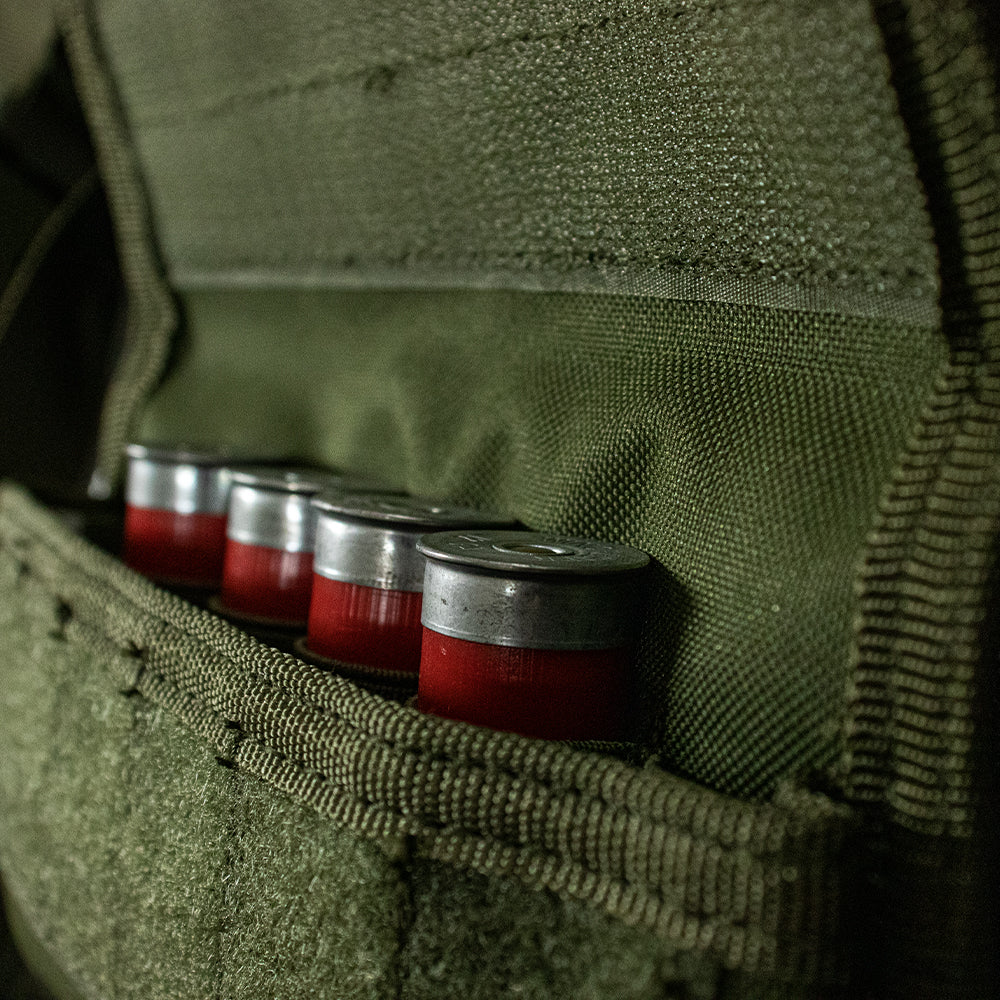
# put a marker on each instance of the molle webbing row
(756, 885)
(921, 762)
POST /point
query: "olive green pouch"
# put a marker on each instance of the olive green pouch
(718, 281)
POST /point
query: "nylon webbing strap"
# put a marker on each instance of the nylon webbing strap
(757, 885)
(152, 315)
(921, 724)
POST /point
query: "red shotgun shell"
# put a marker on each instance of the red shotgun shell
(175, 514)
(368, 576)
(267, 574)
(530, 633)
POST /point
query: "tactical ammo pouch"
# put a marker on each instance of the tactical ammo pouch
(716, 280)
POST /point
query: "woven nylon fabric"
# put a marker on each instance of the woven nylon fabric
(922, 740)
(593, 414)
(754, 887)
(743, 448)
(152, 319)
(743, 444)
(745, 151)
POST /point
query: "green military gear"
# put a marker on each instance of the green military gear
(715, 281)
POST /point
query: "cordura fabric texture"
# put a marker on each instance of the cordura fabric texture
(715, 280)
(192, 706)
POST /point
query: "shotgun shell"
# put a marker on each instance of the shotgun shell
(270, 535)
(368, 576)
(530, 633)
(175, 514)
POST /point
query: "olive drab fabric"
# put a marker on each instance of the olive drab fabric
(716, 280)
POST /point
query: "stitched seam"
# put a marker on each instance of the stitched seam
(429, 823)
(570, 259)
(429, 826)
